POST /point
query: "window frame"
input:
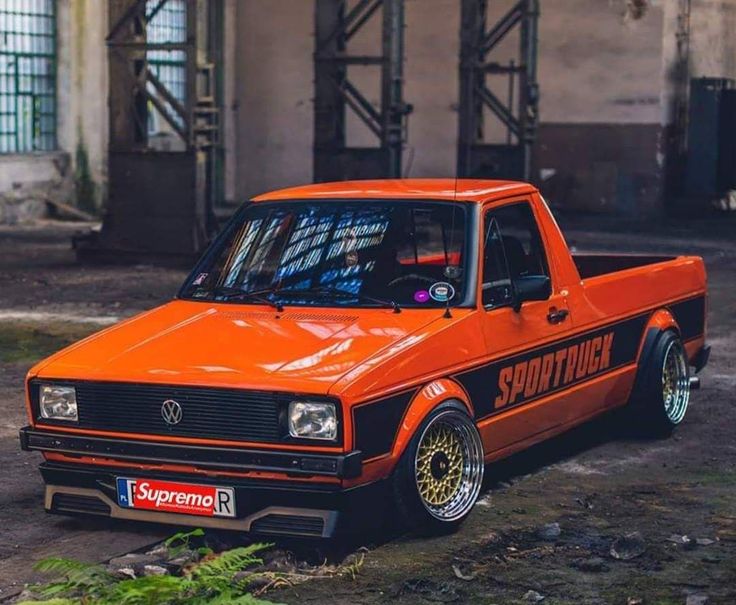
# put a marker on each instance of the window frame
(490, 208)
(41, 140)
(471, 251)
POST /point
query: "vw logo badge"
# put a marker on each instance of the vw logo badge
(171, 412)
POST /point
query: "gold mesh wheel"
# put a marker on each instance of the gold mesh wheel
(449, 466)
(675, 383)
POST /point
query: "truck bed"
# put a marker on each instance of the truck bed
(595, 265)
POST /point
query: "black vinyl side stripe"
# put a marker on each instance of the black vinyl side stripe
(482, 382)
(376, 422)
(690, 316)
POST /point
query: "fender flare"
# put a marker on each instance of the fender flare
(660, 322)
(425, 400)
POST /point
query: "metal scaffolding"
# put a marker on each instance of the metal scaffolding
(518, 112)
(337, 21)
(164, 129)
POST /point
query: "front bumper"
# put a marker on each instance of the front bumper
(342, 466)
(263, 507)
(294, 507)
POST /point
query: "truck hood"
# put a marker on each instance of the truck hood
(196, 343)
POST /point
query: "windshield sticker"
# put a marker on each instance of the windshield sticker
(350, 243)
(421, 296)
(199, 280)
(442, 291)
(452, 272)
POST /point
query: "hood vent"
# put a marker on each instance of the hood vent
(290, 316)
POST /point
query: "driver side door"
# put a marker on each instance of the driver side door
(519, 337)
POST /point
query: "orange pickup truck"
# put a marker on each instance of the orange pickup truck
(359, 348)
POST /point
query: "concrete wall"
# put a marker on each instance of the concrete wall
(599, 65)
(82, 109)
(600, 74)
(272, 95)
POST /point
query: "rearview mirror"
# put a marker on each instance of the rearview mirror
(532, 287)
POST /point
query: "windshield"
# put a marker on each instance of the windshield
(338, 253)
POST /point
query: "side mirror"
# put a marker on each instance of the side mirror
(532, 287)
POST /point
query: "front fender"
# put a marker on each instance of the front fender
(426, 399)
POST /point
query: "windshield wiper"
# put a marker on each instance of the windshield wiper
(339, 291)
(230, 293)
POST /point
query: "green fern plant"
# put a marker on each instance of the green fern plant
(210, 582)
(217, 574)
(74, 577)
(180, 542)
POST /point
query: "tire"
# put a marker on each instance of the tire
(438, 478)
(663, 393)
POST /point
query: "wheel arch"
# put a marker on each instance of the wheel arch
(427, 399)
(660, 322)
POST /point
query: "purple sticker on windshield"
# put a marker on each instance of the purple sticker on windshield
(421, 296)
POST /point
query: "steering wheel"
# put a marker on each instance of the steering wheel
(410, 276)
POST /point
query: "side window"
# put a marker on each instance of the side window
(513, 249)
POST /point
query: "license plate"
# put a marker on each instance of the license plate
(170, 497)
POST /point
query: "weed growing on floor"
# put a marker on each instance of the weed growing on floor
(215, 580)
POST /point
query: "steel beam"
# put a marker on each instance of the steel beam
(335, 25)
(160, 202)
(518, 113)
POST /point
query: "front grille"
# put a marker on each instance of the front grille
(212, 413)
(73, 503)
(288, 525)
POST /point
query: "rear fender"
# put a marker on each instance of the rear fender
(428, 398)
(660, 322)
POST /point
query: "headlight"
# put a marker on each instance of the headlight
(58, 402)
(310, 420)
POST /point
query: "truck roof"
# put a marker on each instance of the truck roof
(462, 190)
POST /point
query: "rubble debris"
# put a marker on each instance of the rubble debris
(628, 547)
(586, 501)
(532, 596)
(432, 591)
(155, 570)
(461, 575)
(591, 564)
(133, 564)
(549, 531)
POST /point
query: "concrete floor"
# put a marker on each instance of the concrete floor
(595, 482)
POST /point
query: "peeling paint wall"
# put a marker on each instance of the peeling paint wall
(83, 125)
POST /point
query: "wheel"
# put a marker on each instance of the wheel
(664, 393)
(439, 475)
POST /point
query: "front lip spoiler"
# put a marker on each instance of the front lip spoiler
(343, 466)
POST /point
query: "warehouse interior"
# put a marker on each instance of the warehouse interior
(132, 130)
(178, 110)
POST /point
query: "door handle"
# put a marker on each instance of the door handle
(556, 315)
